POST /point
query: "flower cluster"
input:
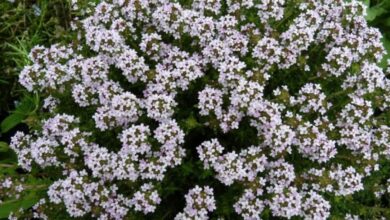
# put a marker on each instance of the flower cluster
(10, 188)
(199, 202)
(300, 77)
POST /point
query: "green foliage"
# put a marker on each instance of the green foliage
(27, 107)
(13, 205)
(24, 24)
(378, 15)
(3, 146)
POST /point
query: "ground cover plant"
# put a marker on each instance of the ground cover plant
(202, 109)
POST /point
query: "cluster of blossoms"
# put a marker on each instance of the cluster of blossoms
(10, 189)
(199, 202)
(136, 57)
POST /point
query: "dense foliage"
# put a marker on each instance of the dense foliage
(200, 109)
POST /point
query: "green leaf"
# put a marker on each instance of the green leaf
(187, 168)
(374, 12)
(378, 10)
(386, 44)
(25, 202)
(4, 147)
(11, 121)
(2, 81)
(26, 107)
(190, 123)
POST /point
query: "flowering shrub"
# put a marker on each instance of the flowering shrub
(245, 109)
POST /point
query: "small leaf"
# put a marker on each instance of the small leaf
(26, 107)
(6, 207)
(2, 81)
(11, 121)
(4, 147)
(191, 123)
(187, 168)
(386, 44)
(374, 12)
